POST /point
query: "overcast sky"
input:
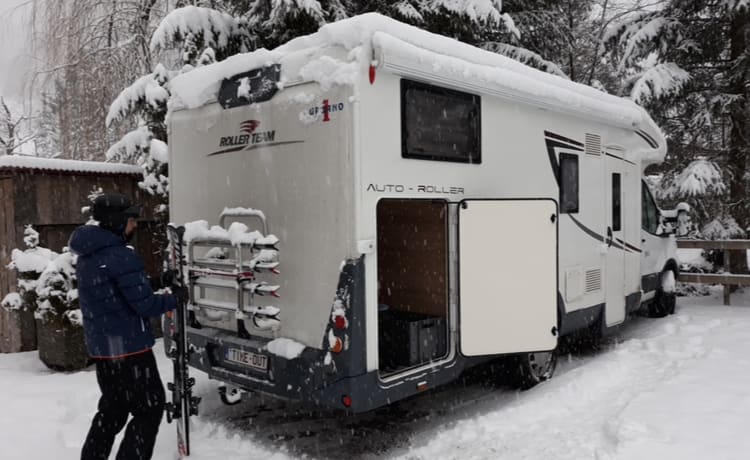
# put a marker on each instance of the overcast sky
(14, 59)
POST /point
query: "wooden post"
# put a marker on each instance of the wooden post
(727, 287)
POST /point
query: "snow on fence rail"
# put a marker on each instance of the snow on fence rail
(727, 279)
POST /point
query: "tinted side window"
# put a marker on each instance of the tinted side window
(568, 183)
(649, 211)
(439, 123)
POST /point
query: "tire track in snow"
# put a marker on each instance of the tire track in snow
(578, 414)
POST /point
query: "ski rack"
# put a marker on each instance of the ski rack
(237, 271)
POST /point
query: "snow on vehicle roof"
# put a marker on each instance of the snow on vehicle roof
(60, 165)
(404, 47)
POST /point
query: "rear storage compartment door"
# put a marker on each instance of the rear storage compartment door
(508, 276)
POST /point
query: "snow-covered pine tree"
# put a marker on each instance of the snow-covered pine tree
(688, 62)
(409, 11)
(272, 23)
(560, 37)
(470, 21)
(200, 32)
(146, 101)
(538, 37)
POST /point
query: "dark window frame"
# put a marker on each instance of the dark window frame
(648, 202)
(263, 83)
(475, 155)
(565, 160)
(616, 202)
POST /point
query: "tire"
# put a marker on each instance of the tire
(663, 303)
(529, 369)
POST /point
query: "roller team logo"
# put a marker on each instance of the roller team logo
(249, 126)
(249, 138)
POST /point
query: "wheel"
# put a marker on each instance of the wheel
(230, 396)
(529, 369)
(662, 305)
(664, 302)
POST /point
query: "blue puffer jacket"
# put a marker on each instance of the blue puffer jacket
(115, 295)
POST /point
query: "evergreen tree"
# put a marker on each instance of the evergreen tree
(689, 64)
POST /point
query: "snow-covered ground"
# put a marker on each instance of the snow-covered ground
(672, 388)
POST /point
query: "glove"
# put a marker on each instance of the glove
(164, 280)
(181, 294)
(167, 277)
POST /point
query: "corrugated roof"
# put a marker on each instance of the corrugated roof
(25, 162)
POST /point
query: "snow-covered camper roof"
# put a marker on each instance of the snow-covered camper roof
(408, 50)
(25, 162)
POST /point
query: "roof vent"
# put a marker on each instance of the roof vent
(593, 144)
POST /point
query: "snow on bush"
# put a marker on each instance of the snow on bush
(46, 280)
(12, 301)
(33, 259)
(29, 265)
(56, 290)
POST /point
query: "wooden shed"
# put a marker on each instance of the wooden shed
(50, 194)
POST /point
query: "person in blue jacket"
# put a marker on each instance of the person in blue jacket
(117, 301)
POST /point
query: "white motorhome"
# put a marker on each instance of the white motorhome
(436, 206)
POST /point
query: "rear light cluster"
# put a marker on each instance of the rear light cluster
(340, 324)
(338, 340)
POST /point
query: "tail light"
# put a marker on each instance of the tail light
(339, 322)
(336, 344)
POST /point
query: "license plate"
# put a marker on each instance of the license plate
(254, 360)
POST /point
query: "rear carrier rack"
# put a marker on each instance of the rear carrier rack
(223, 269)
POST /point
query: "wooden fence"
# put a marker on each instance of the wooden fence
(727, 279)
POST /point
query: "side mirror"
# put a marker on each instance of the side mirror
(676, 221)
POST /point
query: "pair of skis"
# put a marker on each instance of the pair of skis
(183, 404)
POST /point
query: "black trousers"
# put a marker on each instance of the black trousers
(129, 386)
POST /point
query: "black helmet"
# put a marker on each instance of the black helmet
(112, 210)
